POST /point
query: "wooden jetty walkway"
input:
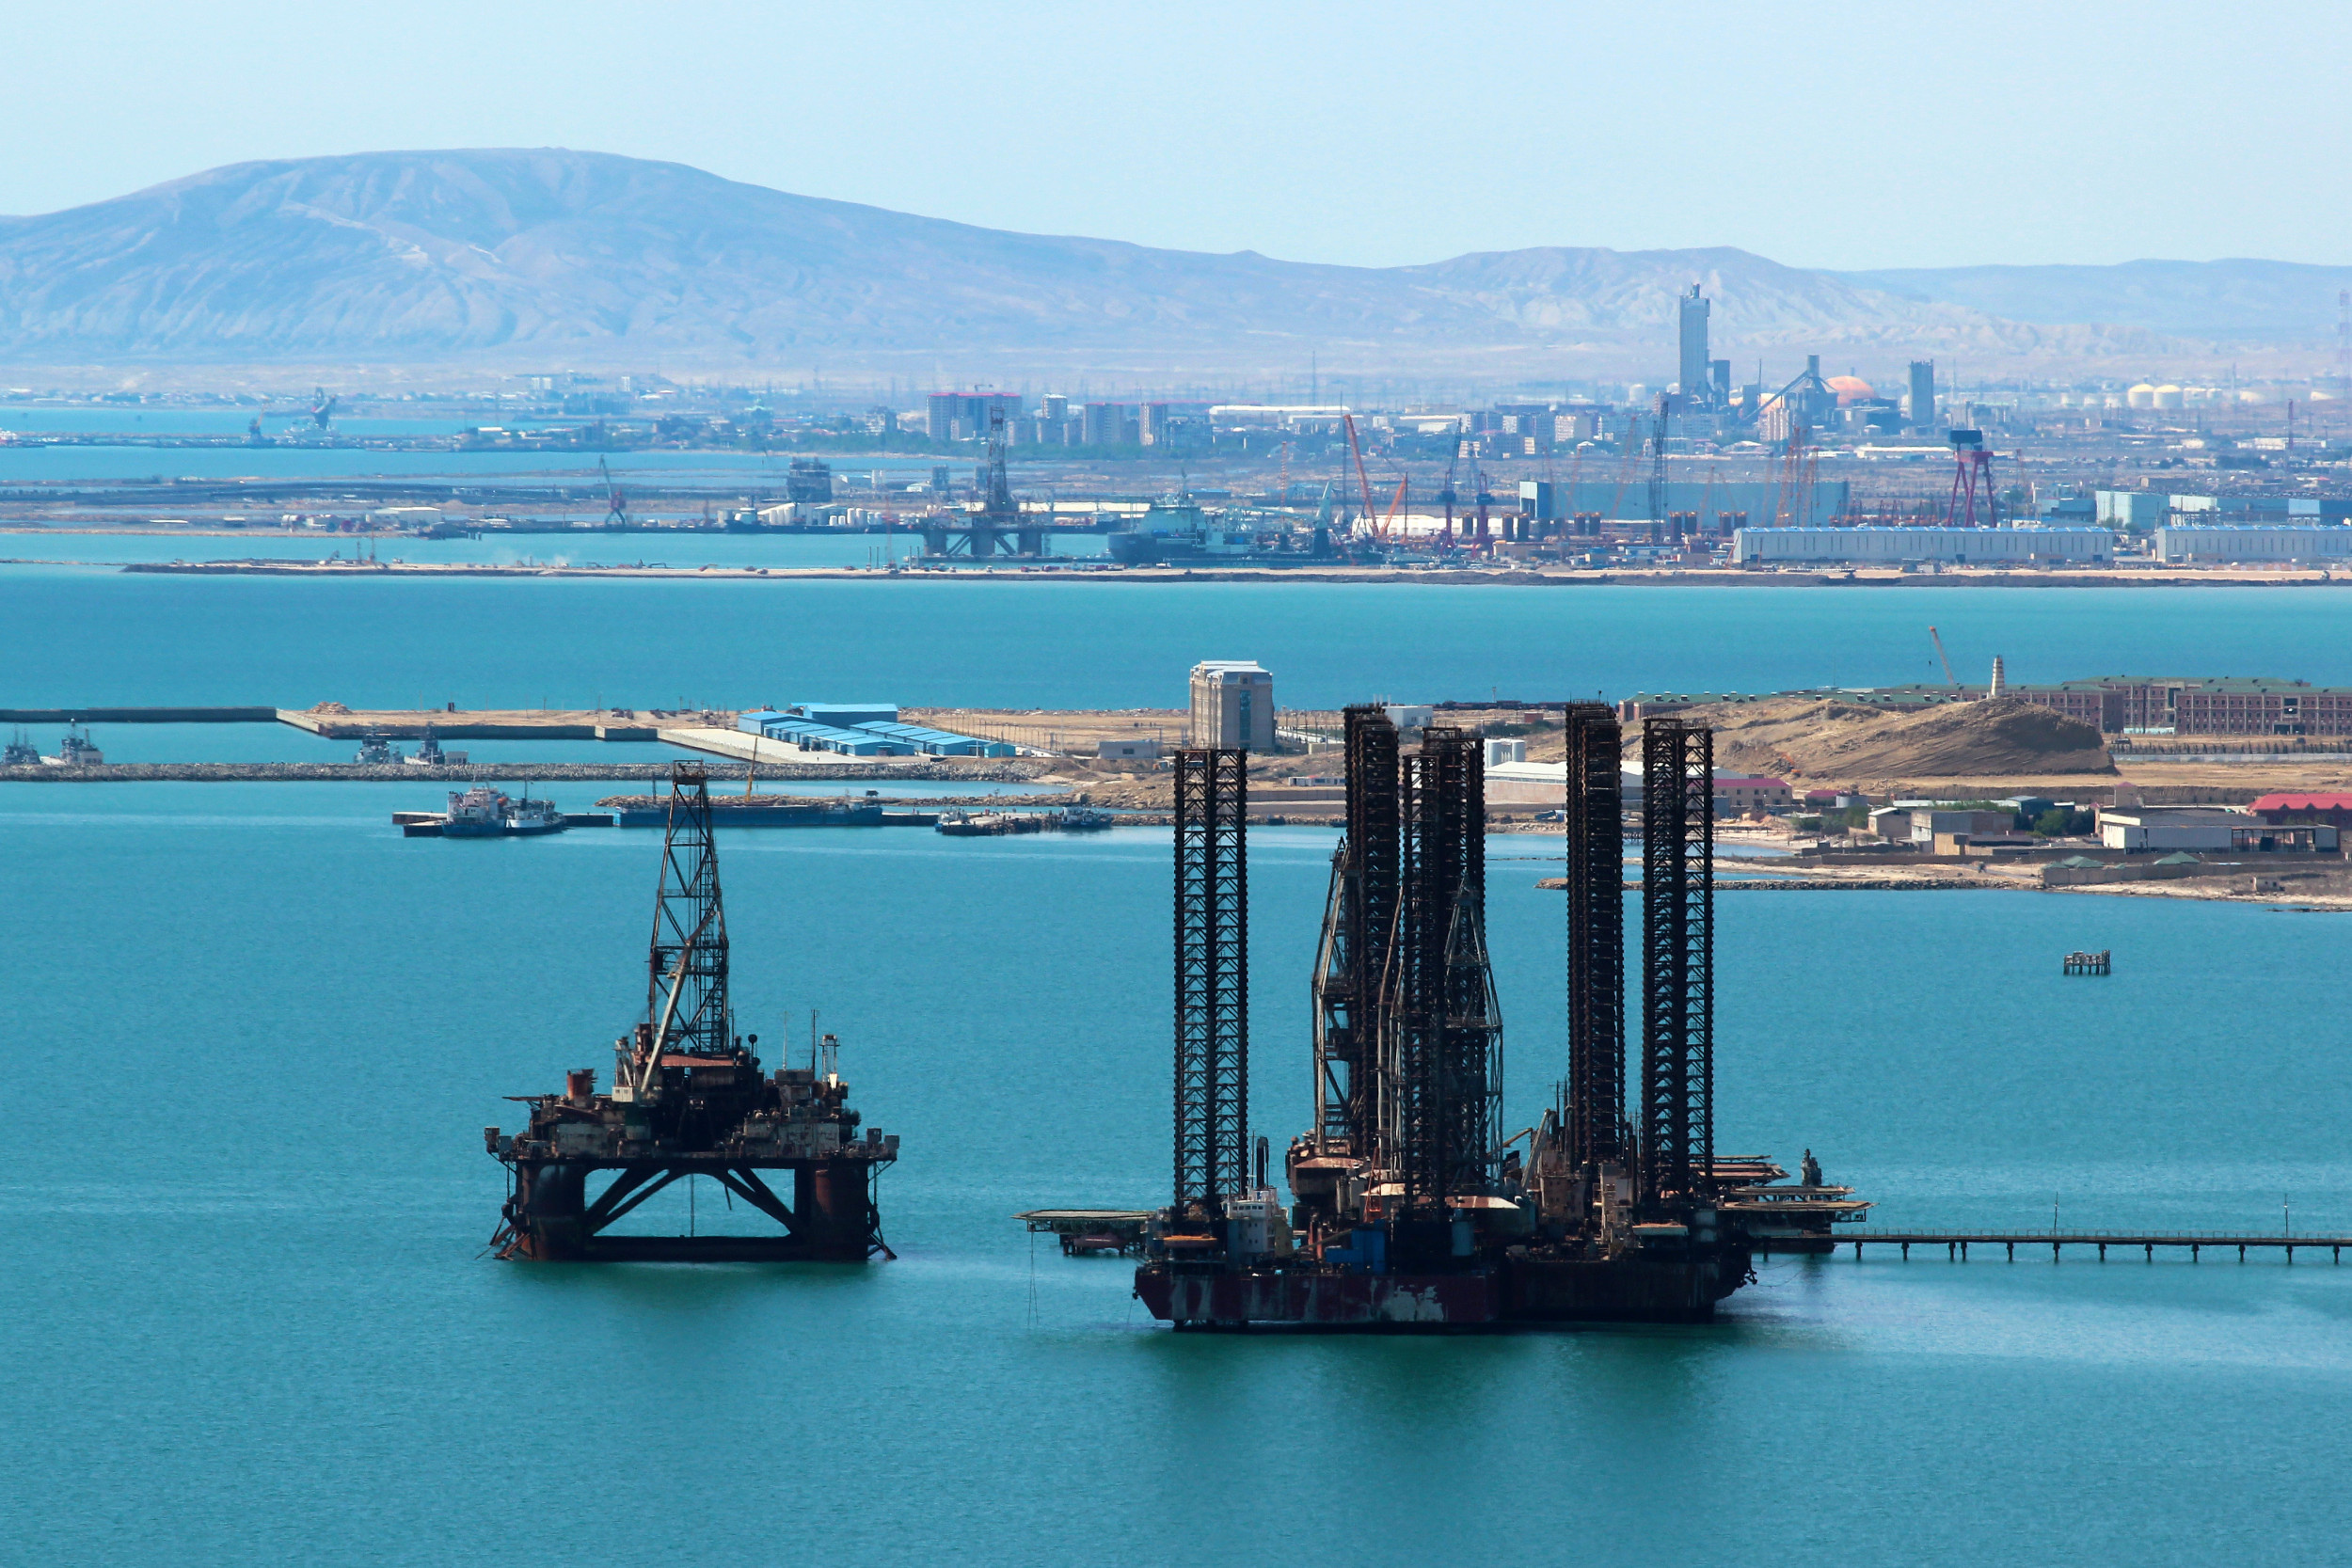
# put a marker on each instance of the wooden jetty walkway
(1955, 1243)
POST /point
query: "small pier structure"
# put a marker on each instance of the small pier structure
(2088, 963)
(2195, 1242)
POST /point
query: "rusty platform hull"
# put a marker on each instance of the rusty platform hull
(1508, 1294)
(830, 1217)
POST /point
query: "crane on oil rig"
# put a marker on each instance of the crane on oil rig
(1950, 678)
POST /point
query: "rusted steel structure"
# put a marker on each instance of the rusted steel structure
(1594, 1108)
(1677, 964)
(1440, 1008)
(688, 1099)
(1409, 1214)
(1212, 979)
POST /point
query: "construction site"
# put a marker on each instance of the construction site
(1412, 1208)
(687, 1099)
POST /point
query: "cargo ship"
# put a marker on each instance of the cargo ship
(1178, 532)
(1410, 1210)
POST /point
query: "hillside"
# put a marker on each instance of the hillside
(550, 258)
(2232, 301)
(1829, 742)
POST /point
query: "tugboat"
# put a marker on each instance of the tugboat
(486, 812)
(689, 1099)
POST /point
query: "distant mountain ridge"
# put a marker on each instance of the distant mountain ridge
(2227, 301)
(554, 258)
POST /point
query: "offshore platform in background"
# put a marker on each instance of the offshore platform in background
(1411, 1210)
(688, 1099)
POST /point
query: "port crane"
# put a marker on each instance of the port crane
(616, 509)
(1950, 678)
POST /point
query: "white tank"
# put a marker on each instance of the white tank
(2141, 396)
(2168, 396)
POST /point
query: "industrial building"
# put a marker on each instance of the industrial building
(1813, 505)
(862, 730)
(2207, 828)
(2186, 543)
(1232, 705)
(1891, 547)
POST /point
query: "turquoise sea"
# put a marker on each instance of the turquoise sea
(258, 1035)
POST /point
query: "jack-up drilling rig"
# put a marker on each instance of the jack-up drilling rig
(1410, 1210)
(687, 1099)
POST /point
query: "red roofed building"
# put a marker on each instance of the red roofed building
(2336, 809)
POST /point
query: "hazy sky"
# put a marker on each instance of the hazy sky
(1858, 136)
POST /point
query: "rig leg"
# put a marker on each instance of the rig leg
(2241, 1251)
(1906, 1252)
(1857, 1252)
(1964, 1252)
(2012, 1250)
(2150, 1250)
(1951, 1252)
(2103, 1252)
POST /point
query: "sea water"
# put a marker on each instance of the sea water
(81, 636)
(257, 1034)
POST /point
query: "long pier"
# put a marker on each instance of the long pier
(2195, 1242)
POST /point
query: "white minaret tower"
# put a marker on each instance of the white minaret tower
(2000, 682)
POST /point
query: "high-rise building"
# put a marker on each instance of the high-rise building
(1103, 424)
(1151, 424)
(1233, 705)
(1696, 382)
(1055, 408)
(1923, 395)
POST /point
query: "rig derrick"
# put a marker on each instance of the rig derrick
(1411, 1212)
(688, 1099)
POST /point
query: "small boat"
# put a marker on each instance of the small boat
(1084, 820)
(964, 824)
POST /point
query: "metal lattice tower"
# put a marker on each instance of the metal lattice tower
(690, 929)
(1358, 922)
(1441, 1014)
(1211, 977)
(1596, 801)
(1677, 962)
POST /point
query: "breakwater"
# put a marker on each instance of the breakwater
(534, 773)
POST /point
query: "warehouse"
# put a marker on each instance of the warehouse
(1892, 546)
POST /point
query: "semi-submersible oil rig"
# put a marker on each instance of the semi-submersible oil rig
(687, 1099)
(1410, 1212)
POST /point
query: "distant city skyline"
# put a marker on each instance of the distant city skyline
(1840, 137)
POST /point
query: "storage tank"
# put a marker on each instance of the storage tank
(2141, 396)
(2168, 396)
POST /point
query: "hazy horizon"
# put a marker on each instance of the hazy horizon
(1864, 141)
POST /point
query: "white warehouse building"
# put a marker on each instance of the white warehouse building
(1892, 546)
(2176, 543)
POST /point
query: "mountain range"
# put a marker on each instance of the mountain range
(550, 258)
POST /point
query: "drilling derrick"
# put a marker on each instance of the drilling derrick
(1409, 1214)
(1678, 1152)
(687, 1099)
(1351, 966)
(1595, 1110)
(1212, 983)
(1441, 1013)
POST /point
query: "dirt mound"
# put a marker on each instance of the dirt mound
(330, 708)
(1848, 742)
